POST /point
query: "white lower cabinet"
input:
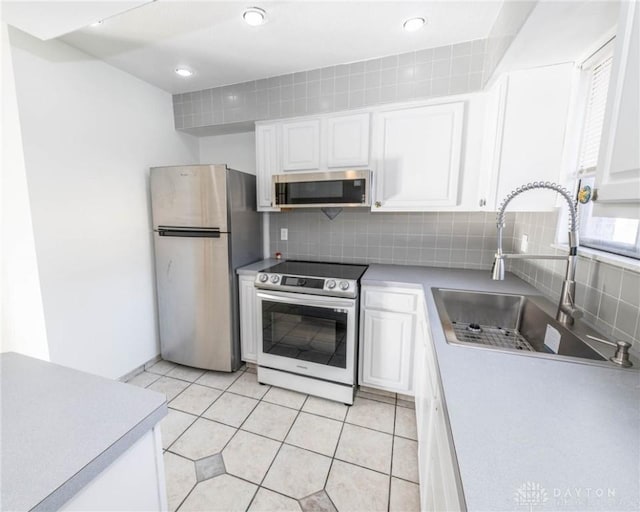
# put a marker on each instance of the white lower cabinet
(439, 483)
(134, 481)
(387, 332)
(248, 319)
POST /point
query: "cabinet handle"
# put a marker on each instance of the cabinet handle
(378, 204)
(483, 202)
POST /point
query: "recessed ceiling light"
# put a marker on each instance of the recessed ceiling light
(254, 16)
(184, 72)
(413, 24)
(96, 24)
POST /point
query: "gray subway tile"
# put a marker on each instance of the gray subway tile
(372, 79)
(356, 82)
(328, 72)
(300, 77)
(314, 74)
(341, 84)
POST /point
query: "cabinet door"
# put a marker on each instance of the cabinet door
(301, 145)
(618, 174)
(417, 155)
(248, 320)
(387, 350)
(267, 164)
(531, 143)
(348, 141)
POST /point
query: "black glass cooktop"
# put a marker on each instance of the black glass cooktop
(317, 269)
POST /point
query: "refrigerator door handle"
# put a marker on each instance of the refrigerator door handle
(189, 232)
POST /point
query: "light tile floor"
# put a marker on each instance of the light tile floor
(234, 444)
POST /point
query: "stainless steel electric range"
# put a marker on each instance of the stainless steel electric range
(308, 327)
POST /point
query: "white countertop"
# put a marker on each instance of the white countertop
(256, 267)
(62, 427)
(572, 429)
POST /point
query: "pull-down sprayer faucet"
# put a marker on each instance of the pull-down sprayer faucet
(567, 312)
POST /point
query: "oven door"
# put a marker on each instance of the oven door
(309, 335)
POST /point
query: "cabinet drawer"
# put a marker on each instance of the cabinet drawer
(390, 301)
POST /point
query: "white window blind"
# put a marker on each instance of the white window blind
(594, 117)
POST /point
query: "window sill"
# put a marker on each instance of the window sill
(604, 257)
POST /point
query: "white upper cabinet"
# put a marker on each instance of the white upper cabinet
(618, 172)
(531, 124)
(348, 141)
(267, 163)
(301, 145)
(416, 155)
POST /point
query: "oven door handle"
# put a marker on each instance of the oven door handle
(307, 301)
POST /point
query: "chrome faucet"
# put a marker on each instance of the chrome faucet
(567, 311)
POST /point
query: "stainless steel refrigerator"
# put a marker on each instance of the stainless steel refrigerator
(205, 226)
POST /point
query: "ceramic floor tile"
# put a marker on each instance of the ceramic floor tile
(180, 475)
(365, 447)
(185, 373)
(405, 496)
(195, 399)
(161, 367)
(218, 380)
(285, 397)
(269, 501)
(352, 488)
(318, 502)
(406, 423)
(247, 385)
(270, 420)
(405, 459)
(173, 425)
(297, 473)
(209, 467)
(143, 379)
(249, 456)
(371, 414)
(223, 493)
(328, 408)
(231, 409)
(315, 433)
(202, 439)
(170, 387)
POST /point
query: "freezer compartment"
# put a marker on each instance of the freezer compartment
(187, 196)
(194, 300)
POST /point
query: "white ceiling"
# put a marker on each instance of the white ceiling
(212, 39)
(561, 31)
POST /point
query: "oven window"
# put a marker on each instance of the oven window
(307, 333)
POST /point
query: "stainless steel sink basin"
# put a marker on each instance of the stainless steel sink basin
(521, 323)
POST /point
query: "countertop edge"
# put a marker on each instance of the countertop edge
(77, 482)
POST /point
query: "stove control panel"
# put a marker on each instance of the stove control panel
(311, 285)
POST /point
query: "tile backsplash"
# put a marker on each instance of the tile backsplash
(462, 240)
(608, 295)
(441, 71)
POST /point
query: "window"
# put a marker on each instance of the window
(611, 234)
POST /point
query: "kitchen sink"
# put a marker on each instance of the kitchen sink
(518, 323)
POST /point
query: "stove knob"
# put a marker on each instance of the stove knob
(264, 278)
(275, 278)
(331, 284)
(344, 285)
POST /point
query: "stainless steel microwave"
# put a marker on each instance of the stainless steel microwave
(322, 189)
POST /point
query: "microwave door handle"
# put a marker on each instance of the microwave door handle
(306, 301)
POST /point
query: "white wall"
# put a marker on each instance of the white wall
(22, 315)
(90, 134)
(237, 150)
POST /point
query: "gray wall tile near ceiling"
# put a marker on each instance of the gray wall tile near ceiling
(422, 74)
